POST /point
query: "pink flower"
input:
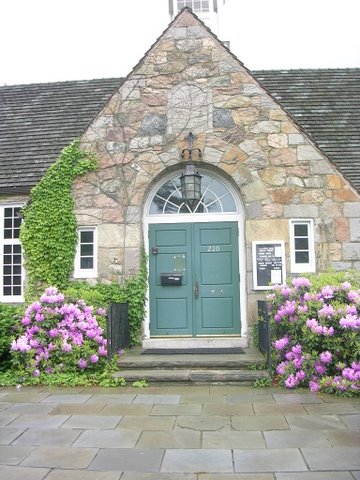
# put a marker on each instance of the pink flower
(319, 368)
(301, 282)
(327, 292)
(351, 322)
(82, 364)
(354, 296)
(291, 381)
(314, 386)
(102, 351)
(326, 311)
(300, 375)
(21, 344)
(281, 343)
(94, 358)
(326, 357)
(281, 368)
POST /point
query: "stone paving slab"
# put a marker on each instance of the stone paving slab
(158, 476)
(314, 476)
(182, 409)
(128, 459)
(76, 409)
(9, 434)
(60, 457)
(281, 409)
(112, 399)
(92, 421)
(351, 421)
(39, 421)
(82, 475)
(227, 410)
(31, 408)
(108, 438)
(315, 422)
(170, 439)
(125, 409)
(11, 455)
(148, 423)
(262, 423)
(194, 460)
(295, 439)
(158, 400)
(232, 439)
(67, 398)
(47, 436)
(274, 460)
(202, 422)
(343, 438)
(22, 473)
(330, 408)
(336, 458)
(306, 398)
(235, 476)
(7, 418)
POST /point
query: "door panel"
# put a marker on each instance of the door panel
(217, 271)
(207, 302)
(170, 306)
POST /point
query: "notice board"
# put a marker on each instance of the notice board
(268, 263)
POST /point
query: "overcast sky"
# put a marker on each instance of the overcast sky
(53, 40)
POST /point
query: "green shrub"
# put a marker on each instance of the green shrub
(315, 332)
(9, 316)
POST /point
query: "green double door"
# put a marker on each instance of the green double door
(194, 279)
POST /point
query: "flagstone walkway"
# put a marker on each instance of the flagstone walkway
(177, 432)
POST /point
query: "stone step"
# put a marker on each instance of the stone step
(245, 377)
(184, 361)
(193, 368)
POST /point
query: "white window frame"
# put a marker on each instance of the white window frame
(310, 266)
(86, 272)
(10, 241)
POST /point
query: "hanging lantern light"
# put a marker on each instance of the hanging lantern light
(190, 179)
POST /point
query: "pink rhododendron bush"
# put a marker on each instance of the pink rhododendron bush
(55, 337)
(316, 336)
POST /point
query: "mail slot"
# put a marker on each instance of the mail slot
(171, 279)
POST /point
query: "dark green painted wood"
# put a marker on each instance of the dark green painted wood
(208, 301)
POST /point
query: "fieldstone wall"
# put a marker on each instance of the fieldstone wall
(190, 81)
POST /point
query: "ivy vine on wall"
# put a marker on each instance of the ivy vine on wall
(49, 230)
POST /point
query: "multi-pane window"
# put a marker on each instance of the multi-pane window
(197, 6)
(86, 255)
(302, 246)
(215, 198)
(11, 281)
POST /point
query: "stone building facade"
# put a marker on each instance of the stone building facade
(189, 81)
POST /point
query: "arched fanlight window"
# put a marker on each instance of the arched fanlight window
(215, 198)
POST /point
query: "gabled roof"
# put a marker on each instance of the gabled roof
(38, 120)
(326, 104)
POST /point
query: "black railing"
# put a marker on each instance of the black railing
(264, 331)
(118, 328)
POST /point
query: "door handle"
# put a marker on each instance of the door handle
(196, 289)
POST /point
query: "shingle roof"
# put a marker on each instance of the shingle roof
(38, 120)
(326, 104)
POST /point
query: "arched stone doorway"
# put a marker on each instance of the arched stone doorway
(196, 261)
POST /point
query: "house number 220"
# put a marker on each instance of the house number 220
(213, 248)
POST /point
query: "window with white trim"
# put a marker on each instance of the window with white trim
(197, 6)
(86, 253)
(11, 259)
(302, 249)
